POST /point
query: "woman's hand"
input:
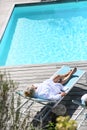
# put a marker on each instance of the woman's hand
(63, 94)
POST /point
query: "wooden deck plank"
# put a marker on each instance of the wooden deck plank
(29, 74)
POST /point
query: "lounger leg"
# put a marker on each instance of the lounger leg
(21, 105)
(28, 108)
(44, 114)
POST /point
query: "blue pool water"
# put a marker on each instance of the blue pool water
(45, 34)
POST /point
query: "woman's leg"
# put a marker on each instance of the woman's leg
(64, 78)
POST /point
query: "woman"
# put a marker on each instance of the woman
(51, 89)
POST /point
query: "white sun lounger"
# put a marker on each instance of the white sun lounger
(68, 86)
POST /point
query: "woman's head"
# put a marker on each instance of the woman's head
(30, 91)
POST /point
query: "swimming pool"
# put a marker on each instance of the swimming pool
(49, 33)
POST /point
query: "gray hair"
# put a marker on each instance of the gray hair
(30, 91)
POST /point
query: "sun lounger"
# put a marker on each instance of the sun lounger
(74, 79)
(68, 86)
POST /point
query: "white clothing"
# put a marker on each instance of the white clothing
(48, 90)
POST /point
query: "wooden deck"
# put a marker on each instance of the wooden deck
(28, 74)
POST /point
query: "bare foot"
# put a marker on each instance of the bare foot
(74, 70)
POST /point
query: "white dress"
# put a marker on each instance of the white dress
(48, 90)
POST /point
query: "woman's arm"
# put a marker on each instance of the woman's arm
(57, 96)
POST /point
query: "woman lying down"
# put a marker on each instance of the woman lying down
(51, 89)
